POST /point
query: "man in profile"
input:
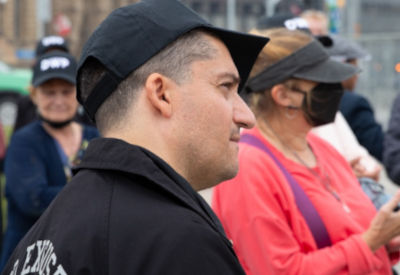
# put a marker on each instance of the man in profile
(162, 85)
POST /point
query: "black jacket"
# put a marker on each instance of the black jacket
(126, 211)
(360, 116)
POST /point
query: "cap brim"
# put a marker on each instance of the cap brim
(328, 71)
(244, 49)
(56, 75)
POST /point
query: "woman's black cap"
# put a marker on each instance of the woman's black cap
(133, 34)
(52, 42)
(54, 65)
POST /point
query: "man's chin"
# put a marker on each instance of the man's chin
(230, 173)
(227, 175)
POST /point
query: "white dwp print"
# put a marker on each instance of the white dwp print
(54, 63)
(40, 259)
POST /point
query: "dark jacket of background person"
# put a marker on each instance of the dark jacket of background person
(391, 153)
(162, 219)
(26, 112)
(360, 116)
(35, 175)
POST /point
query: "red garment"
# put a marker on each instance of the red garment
(259, 213)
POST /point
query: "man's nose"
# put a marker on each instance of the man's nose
(242, 115)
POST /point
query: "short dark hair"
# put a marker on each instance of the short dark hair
(173, 62)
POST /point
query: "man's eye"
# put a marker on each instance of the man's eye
(67, 92)
(227, 85)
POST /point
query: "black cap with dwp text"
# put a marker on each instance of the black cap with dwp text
(54, 65)
(133, 34)
(286, 20)
(52, 42)
(291, 23)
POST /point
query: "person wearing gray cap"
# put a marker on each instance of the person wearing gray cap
(295, 206)
(391, 143)
(356, 109)
(162, 86)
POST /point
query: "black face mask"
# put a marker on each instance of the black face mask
(54, 124)
(321, 104)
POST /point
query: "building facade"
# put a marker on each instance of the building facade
(21, 25)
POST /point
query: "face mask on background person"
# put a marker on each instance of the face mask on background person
(321, 104)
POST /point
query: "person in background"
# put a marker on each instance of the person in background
(338, 133)
(162, 85)
(2, 156)
(391, 148)
(26, 109)
(51, 43)
(295, 206)
(362, 145)
(293, 7)
(41, 154)
(356, 109)
(340, 136)
(318, 22)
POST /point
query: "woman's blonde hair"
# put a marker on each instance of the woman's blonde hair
(283, 42)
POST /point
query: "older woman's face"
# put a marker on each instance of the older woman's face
(56, 100)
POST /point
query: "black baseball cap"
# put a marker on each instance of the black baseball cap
(292, 23)
(283, 20)
(133, 34)
(49, 43)
(52, 65)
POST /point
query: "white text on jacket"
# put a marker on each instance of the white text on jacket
(40, 259)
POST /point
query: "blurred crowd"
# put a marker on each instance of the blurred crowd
(307, 197)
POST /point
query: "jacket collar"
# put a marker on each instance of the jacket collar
(118, 155)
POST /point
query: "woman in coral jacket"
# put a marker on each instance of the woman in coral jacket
(293, 87)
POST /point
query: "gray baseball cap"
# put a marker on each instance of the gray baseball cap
(343, 49)
(311, 62)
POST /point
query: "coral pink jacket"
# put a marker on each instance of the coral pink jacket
(258, 211)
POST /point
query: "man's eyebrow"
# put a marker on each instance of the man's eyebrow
(235, 78)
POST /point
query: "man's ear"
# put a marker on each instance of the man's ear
(158, 90)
